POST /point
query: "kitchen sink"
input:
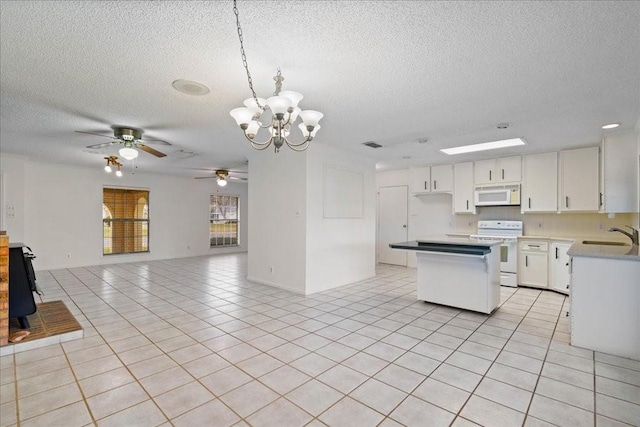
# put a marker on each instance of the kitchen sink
(601, 242)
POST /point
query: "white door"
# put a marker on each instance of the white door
(392, 224)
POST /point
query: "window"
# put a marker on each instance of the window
(223, 221)
(125, 221)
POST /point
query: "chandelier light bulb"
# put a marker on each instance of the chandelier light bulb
(128, 153)
(278, 104)
(107, 169)
(255, 108)
(118, 173)
(242, 116)
(311, 117)
(294, 97)
(222, 182)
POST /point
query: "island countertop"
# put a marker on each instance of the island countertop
(626, 252)
(455, 245)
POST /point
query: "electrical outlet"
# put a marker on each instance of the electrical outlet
(601, 226)
(68, 254)
(539, 225)
(271, 270)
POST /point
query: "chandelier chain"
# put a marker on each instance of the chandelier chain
(244, 56)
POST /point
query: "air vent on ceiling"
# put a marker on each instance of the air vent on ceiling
(371, 144)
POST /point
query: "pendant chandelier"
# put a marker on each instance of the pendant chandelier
(283, 112)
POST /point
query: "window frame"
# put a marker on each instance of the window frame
(236, 222)
(130, 239)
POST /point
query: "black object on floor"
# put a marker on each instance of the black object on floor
(22, 283)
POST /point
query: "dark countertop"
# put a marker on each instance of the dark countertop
(454, 245)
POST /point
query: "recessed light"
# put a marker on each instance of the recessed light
(503, 125)
(190, 87)
(483, 146)
(611, 126)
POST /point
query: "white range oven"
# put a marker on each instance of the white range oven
(506, 232)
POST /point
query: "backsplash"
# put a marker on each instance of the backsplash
(550, 224)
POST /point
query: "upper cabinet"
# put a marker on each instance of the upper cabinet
(619, 178)
(463, 200)
(442, 178)
(494, 171)
(434, 179)
(420, 180)
(540, 183)
(579, 180)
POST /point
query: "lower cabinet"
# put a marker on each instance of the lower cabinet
(559, 267)
(533, 264)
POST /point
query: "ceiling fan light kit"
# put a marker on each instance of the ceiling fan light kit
(283, 108)
(113, 161)
(128, 152)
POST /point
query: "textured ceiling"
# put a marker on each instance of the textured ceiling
(386, 71)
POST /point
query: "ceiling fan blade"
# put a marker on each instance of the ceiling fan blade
(96, 134)
(155, 141)
(102, 145)
(150, 150)
(237, 178)
(205, 177)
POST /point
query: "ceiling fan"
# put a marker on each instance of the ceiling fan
(223, 175)
(130, 138)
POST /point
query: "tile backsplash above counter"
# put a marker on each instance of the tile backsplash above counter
(573, 225)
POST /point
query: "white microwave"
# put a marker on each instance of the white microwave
(498, 195)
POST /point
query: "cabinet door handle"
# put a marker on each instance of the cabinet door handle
(526, 260)
(435, 184)
(489, 175)
(529, 202)
(556, 253)
(600, 199)
(425, 185)
(503, 174)
(566, 201)
(467, 205)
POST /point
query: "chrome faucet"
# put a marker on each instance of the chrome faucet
(633, 235)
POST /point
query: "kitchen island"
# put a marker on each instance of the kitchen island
(605, 298)
(457, 272)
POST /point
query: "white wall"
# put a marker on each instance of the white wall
(62, 213)
(339, 250)
(292, 245)
(12, 170)
(277, 212)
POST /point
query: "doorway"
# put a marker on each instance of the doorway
(392, 223)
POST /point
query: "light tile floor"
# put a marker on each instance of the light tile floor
(191, 342)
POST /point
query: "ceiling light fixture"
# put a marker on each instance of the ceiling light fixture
(113, 161)
(189, 87)
(283, 107)
(611, 126)
(484, 146)
(222, 177)
(128, 152)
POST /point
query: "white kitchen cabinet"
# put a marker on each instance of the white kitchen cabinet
(494, 171)
(559, 268)
(420, 180)
(463, 189)
(442, 179)
(432, 179)
(619, 172)
(540, 183)
(579, 180)
(533, 263)
(605, 305)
